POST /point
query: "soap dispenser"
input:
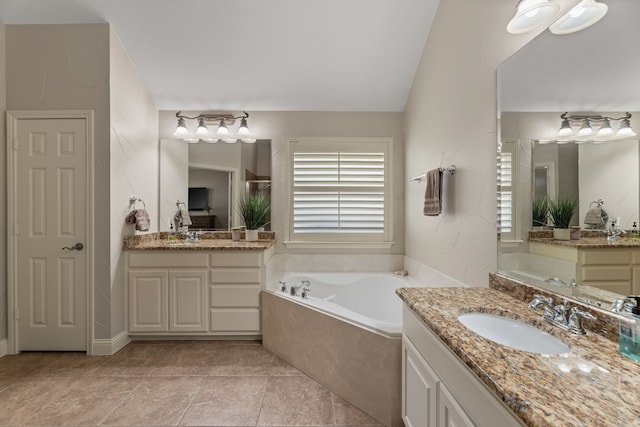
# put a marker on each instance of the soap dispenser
(630, 330)
(171, 235)
(634, 230)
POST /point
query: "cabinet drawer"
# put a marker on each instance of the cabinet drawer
(169, 259)
(231, 275)
(235, 296)
(605, 256)
(604, 273)
(236, 259)
(235, 320)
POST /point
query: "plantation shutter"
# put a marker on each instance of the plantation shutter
(339, 189)
(506, 202)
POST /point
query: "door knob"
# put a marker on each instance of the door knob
(77, 247)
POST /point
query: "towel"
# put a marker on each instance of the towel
(142, 220)
(433, 193)
(596, 218)
(182, 217)
(131, 217)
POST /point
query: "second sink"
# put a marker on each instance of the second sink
(512, 333)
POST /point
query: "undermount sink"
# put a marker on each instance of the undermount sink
(512, 333)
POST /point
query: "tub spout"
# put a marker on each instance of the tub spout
(303, 284)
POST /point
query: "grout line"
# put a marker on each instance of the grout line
(202, 381)
(121, 402)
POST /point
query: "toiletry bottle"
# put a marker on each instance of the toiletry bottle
(634, 230)
(171, 236)
(630, 330)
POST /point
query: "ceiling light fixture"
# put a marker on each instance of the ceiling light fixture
(222, 120)
(583, 15)
(531, 14)
(586, 132)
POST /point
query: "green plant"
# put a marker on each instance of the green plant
(540, 211)
(254, 209)
(561, 211)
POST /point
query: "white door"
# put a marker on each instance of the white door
(51, 191)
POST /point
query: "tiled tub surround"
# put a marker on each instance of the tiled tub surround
(214, 240)
(592, 385)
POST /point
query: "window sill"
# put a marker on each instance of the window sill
(338, 245)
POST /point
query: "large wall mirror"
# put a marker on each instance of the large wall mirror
(594, 71)
(210, 178)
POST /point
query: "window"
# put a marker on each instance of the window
(339, 191)
(507, 217)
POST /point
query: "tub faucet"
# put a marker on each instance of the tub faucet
(283, 286)
(303, 284)
(556, 281)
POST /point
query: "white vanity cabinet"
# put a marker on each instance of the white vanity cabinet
(438, 390)
(189, 292)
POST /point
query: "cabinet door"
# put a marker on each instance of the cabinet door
(451, 413)
(419, 389)
(148, 294)
(188, 301)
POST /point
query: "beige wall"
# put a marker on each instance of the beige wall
(3, 186)
(134, 163)
(451, 119)
(280, 126)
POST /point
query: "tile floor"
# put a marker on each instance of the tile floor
(187, 383)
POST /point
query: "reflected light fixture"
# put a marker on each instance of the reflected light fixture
(587, 133)
(583, 15)
(531, 14)
(222, 120)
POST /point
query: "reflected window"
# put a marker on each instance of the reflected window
(506, 191)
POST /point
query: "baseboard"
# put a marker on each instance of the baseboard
(4, 346)
(107, 347)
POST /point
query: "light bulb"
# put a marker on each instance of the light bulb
(605, 130)
(583, 15)
(625, 129)
(586, 129)
(202, 127)
(181, 129)
(565, 129)
(243, 129)
(532, 14)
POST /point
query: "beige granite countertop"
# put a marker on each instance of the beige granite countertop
(210, 241)
(592, 385)
(590, 242)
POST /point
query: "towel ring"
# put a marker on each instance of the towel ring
(133, 200)
(598, 202)
(179, 203)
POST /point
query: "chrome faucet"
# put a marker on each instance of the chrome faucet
(560, 314)
(194, 236)
(623, 305)
(303, 284)
(615, 232)
(556, 281)
(283, 285)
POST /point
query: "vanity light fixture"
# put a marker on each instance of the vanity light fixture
(586, 132)
(531, 14)
(222, 120)
(583, 15)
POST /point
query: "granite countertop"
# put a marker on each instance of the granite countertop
(590, 242)
(209, 241)
(592, 385)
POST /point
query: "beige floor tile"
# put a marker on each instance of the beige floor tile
(6, 381)
(349, 415)
(87, 402)
(194, 359)
(283, 368)
(243, 359)
(138, 360)
(156, 401)
(30, 363)
(74, 364)
(23, 398)
(227, 401)
(295, 401)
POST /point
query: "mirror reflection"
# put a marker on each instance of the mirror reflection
(548, 77)
(210, 178)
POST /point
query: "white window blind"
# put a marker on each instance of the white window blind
(339, 189)
(506, 200)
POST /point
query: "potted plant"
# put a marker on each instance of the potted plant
(561, 211)
(540, 212)
(254, 209)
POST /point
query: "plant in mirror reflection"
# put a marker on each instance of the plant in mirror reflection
(540, 211)
(561, 211)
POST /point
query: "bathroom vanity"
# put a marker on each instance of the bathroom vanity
(209, 287)
(453, 376)
(610, 265)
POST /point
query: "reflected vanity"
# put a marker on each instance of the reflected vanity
(531, 101)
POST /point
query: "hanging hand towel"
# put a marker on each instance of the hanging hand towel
(142, 220)
(182, 217)
(433, 193)
(131, 217)
(596, 218)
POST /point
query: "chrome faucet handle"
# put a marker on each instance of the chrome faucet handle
(283, 286)
(539, 299)
(561, 312)
(575, 320)
(305, 283)
(305, 292)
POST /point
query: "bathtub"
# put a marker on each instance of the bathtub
(347, 335)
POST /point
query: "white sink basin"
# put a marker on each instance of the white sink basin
(512, 333)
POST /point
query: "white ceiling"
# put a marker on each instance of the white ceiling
(329, 55)
(597, 69)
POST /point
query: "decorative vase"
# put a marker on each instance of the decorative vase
(561, 233)
(252, 235)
